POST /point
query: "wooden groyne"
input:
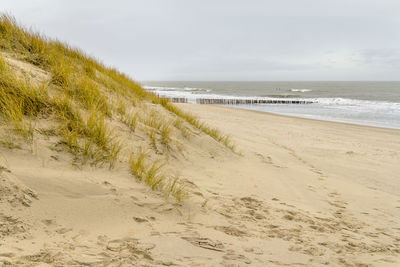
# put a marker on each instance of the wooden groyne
(175, 99)
(249, 101)
(235, 101)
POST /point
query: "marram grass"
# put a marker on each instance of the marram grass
(213, 132)
(151, 174)
(77, 99)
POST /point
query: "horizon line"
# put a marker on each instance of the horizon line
(268, 80)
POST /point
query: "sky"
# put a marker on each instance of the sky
(227, 40)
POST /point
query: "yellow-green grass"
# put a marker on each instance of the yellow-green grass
(8, 143)
(151, 174)
(180, 125)
(65, 63)
(87, 92)
(91, 139)
(153, 137)
(165, 133)
(20, 101)
(121, 109)
(158, 125)
(130, 120)
(77, 98)
(213, 132)
(154, 120)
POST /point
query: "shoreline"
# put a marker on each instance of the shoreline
(374, 105)
(327, 120)
(301, 118)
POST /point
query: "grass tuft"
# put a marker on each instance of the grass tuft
(20, 101)
(131, 120)
(185, 131)
(165, 133)
(137, 163)
(213, 132)
(61, 70)
(153, 137)
(151, 174)
(176, 189)
(86, 91)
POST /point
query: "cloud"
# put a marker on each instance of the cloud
(380, 57)
(227, 39)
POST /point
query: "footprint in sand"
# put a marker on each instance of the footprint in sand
(130, 247)
(10, 225)
(205, 243)
(140, 220)
(232, 256)
(268, 160)
(230, 230)
(254, 250)
(4, 169)
(48, 222)
(62, 231)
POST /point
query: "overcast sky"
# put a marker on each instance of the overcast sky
(227, 39)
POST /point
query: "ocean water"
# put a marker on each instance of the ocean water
(365, 103)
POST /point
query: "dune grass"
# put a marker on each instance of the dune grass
(8, 143)
(158, 125)
(180, 125)
(77, 98)
(86, 91)
(66, 64)
(154, 120)
(130, 120)
(152, 175)
(120, 107)
(90, 139)
(148, 173)
(61, 70)
(20, 101)
(153, 137)
(213, 132)
(166, 132)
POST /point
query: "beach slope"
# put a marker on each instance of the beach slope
(299, 192)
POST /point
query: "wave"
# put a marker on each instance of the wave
(357, 104)
(281, 96)
(301, 90)
(178, 89)
(160, 88)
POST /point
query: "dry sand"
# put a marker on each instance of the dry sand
(302, 193)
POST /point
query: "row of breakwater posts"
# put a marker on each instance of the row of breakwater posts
(234, 101)
(250, 101)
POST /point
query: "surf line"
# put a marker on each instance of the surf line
(235, 101)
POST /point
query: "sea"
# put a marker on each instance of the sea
(365, 103)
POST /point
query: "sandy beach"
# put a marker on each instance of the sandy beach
(299, 193)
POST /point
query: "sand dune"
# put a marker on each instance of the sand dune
(301, 193)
